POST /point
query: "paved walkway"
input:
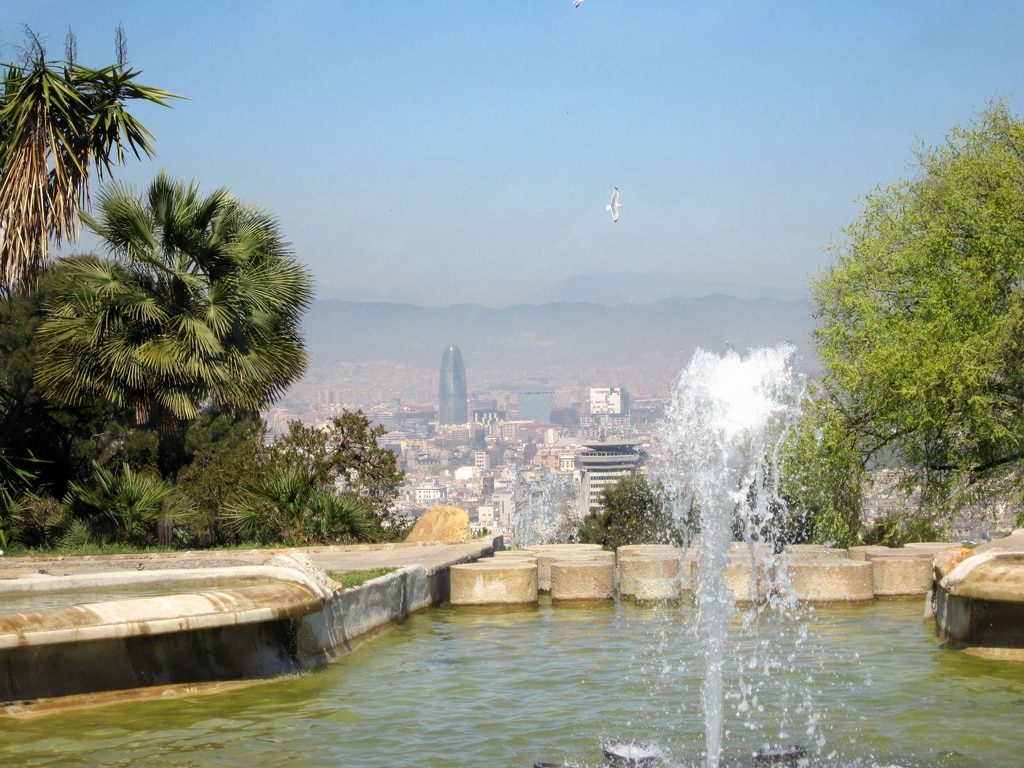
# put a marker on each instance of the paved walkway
(361, 557)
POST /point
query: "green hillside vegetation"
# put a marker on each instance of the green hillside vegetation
(131, 380)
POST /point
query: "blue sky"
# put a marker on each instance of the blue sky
(440, 152)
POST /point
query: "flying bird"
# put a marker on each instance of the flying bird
(614, 206)
(577, 3)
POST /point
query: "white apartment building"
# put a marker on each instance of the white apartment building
(481, 460)
(429, 495)
(503, 504)
(606, 401)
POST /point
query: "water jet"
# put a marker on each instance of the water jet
(726, 417)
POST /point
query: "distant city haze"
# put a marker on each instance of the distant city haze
(381, 354)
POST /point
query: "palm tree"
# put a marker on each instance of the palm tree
(126, 506)
(289, 504)
(58, 120)
(198, 305)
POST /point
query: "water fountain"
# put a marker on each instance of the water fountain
(542, 506)
(507, 688)
(726, 417)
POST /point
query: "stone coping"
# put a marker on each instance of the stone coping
(286, 587)
(994, 575)
(195, 577)
(147, 616)
(341, 558)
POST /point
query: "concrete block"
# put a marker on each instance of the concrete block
(814, 551)
(636, 550)
(656, 591)
(546, 558)
(646, 566)
(582, 580)
(831, 580)
(861, 551)
(515, 554)
(747, 583)
(494, 583)
(901, 577)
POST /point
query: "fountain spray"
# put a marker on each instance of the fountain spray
(726, 417)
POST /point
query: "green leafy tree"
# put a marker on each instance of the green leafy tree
(198, 304)
(347, 453)
(921, 318)
(35, 522)
(224, 452)
(313, 485)
(46, 446)
(821, 481)
(43, 445)
(633, 511)
(59, 122)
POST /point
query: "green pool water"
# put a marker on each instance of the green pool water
(859, 686)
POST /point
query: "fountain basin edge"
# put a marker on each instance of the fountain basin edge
(276, 619)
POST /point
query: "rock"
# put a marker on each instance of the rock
(441, 523)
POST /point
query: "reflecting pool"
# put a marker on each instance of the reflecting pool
(457, 688)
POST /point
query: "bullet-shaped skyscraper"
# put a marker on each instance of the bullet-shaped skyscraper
(454, 401)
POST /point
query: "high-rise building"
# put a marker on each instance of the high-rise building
(602, 465)
(608, 401)
(481, 460)
(536, 405)
(454, 401)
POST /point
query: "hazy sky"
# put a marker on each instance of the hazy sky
(464, 151)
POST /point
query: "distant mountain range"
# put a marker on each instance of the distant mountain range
(563, 334)
(614, 288)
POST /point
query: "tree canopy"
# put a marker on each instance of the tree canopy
(633, 511)
(345, 454)
(198, 304)
(921, 315)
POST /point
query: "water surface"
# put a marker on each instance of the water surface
(858, 686)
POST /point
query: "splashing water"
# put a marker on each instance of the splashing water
(543, 506)
(725, 420)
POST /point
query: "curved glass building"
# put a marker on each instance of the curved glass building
(454, 400)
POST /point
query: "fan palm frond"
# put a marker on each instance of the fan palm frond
(198, 300)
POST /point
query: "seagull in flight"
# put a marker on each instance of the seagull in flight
(614, 206)
(577, 3)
